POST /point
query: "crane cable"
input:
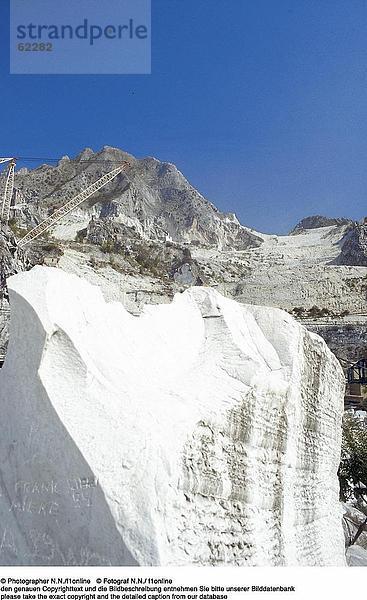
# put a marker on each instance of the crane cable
(57, 160)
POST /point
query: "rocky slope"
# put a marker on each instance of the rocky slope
(354, 246)
(9, 265)
(200, 433)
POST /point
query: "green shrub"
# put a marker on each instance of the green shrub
(353, 465)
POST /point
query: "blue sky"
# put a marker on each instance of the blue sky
(262, 104)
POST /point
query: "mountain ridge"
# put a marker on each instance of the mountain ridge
(152, 196)
(149, 234)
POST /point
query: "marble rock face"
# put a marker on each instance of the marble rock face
(203, 432)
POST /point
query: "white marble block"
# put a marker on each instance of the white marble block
(203, 432)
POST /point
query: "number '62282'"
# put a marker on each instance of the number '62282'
(35, 47)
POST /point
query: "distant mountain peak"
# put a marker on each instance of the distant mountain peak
(316, 221)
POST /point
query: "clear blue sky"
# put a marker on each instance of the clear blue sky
(262, 104)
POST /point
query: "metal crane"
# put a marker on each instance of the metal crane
(357, 373)
(69, 206)
(8, 190)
